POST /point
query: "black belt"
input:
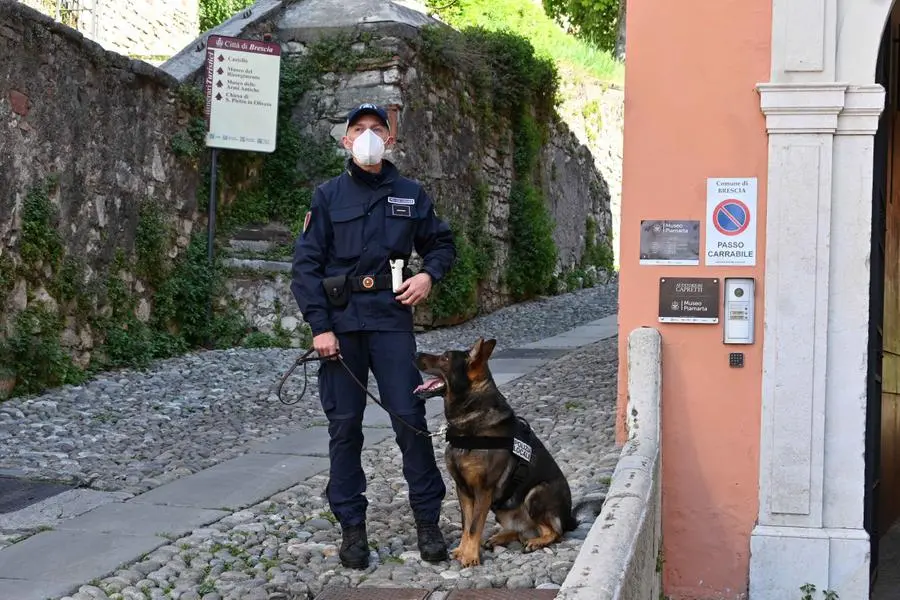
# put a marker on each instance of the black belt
(371, 283)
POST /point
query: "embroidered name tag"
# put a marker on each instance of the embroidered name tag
(521, 449)
(395, 200)
(400, 211)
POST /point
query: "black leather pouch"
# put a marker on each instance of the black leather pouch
(337, 289)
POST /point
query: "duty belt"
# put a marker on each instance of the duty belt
(371, 283)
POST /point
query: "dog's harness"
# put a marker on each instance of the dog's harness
(520, 444)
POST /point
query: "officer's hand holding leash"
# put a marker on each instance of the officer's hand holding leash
(307, 357)
(326, 344)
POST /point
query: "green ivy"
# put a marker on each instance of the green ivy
(151, 242)
(597, 253)
(502, 66)
(190, 141)
(40, 244)
(215, 12)
(33, 352)
(457, 294)
(532, 251)
(7, 278)
(280, 187)
(510, 82)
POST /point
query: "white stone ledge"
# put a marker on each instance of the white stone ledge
(618, 560)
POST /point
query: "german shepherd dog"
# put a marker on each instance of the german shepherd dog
(527, 495)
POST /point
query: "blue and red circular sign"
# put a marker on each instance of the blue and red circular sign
(731, 217)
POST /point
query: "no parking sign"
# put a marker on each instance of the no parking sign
(731, 221)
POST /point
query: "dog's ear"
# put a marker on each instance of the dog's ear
(475, 350)
(481, 351)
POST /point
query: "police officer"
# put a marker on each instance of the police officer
(358, 222)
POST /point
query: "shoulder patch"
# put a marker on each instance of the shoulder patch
(306, 220)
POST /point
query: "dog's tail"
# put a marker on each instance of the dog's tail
(587, 510)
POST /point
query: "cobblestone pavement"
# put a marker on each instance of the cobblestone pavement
(130, 432)
(133, 431)
(286, 547)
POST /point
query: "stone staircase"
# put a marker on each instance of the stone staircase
(259, 262)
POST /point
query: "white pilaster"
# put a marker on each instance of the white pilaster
(814, 357)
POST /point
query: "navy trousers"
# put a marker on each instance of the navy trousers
(390, 357)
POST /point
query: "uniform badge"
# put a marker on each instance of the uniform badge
(306, 220)
(521, 449)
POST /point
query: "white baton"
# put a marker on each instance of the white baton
(396, 273)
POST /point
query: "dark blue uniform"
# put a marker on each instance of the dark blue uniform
(358, 222)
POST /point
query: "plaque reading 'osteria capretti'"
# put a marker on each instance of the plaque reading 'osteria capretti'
(688, 300)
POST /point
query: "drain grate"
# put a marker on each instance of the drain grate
(502, 594)
(16, 494)
(372, 593)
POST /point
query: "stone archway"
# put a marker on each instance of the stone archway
(822, 109)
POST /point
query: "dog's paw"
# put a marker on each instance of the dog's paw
(470, 560)
(532, 545)
(454, 554)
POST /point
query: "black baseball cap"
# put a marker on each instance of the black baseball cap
(368, 109)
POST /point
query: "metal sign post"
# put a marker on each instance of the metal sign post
(241, 87)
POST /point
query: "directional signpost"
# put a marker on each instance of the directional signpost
(241, 103)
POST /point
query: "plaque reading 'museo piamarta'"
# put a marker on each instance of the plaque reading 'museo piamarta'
(688, 300)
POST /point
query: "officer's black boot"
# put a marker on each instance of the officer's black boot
(354, 551)
(432, 546)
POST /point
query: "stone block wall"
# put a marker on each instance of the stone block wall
(100, 126)
(149, 30)
(442, 143)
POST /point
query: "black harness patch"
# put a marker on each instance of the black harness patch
(521, 446)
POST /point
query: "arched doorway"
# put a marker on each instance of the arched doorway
(883, 428)
(818, 490)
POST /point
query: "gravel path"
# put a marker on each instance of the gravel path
(285, 548)
(133, 431)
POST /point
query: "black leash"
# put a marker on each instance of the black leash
(307, 358)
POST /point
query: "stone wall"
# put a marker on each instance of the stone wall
(94, 140)
(94, 130)
(149, 30)
(440, 140)
(621, 557)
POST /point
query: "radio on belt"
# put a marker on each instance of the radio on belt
(740, 295)
(396, 273)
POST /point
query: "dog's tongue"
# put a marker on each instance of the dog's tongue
(429, 385)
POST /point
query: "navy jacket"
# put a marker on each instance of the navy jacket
(356, 225)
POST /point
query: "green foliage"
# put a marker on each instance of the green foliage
(283, 188)
(532, 251)
(190, 141)
(215, 12)
(457, 294)
(595, 21)
(597, 253)
(41, 243)
(7, 278)
(501, 65)
(175, 321)
(151, 243)
(181, 303)
(509, 81)
(530, 21)
(33, 352)
(809, 591)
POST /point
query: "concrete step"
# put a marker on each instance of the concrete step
(258, 265)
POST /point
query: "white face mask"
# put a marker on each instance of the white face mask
(368, 148)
